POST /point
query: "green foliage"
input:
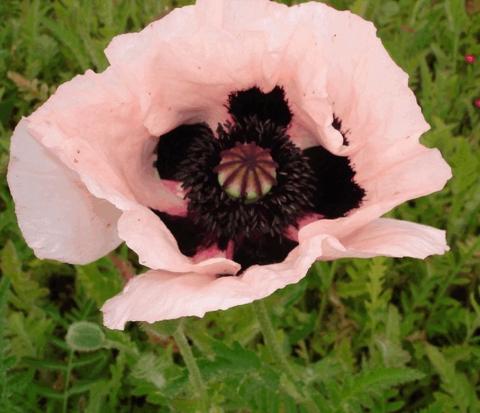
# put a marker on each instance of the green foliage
(99, 281)
(378, 335)
(27, 291)
(361, 389)
(455, 384)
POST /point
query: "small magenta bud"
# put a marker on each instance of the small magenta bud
(246, 171)
(470, 58)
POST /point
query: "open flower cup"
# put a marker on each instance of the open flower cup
(230, 144)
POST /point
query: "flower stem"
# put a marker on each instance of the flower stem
(270, 339)
(194, 372)
(67, 382)
(272, 343)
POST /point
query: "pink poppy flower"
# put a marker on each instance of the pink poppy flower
(230, 145)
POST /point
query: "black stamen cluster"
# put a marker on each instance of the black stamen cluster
(224, 218)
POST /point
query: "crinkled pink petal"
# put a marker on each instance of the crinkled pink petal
(58, 217)
(393, 238)
(403, 172)
(410, 172)
(184, 66)
(160, 295)
(93, 125)
(147, 235)
(367, 90)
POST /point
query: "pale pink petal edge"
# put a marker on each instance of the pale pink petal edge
(57, 215)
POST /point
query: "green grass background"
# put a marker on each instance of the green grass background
(380, 335)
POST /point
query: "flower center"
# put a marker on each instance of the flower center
(247, 184)
(246, 171)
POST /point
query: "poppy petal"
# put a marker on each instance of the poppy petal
(93, 125)
(59, 218)
(161, 295)
(157, 248)
(368, 91)
(404, 173)
(395, 238)
(216, 49)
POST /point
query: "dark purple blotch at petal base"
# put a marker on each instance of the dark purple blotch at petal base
(272, 106)
(173, 148)
(336, 190)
